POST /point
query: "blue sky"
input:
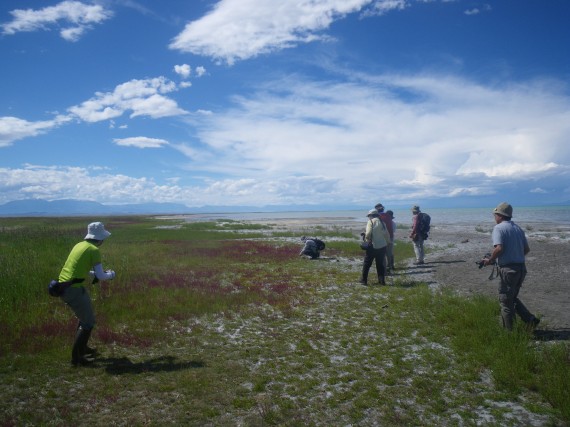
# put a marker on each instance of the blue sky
(285, 102)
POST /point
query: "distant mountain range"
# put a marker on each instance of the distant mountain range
(37, 207)
(34, 207)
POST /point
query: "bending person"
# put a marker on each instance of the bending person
(84, 262)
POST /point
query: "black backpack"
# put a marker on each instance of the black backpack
(425, 221)
(320, 244)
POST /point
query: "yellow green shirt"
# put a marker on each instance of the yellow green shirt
(82, 258)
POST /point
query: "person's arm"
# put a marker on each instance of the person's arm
(368, 234)
(415, 221)
(102, 275)
(496, 252)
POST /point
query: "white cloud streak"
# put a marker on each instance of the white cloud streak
(13, 128)
(242, 29)
(74, 16)
(140, 142)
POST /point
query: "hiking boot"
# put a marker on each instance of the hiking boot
(91, 351)
(83, 361)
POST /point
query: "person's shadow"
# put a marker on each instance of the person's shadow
(122, 365)
(552, 334)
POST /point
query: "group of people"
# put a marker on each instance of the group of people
(509, 249)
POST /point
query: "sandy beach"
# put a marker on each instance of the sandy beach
(452, 252)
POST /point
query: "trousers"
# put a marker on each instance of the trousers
(512, 277)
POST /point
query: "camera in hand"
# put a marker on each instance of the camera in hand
(481, 263)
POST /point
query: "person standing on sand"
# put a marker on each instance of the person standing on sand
(377, 234)
(416, 236)
(387, 220)
(510, 247)
(84, 262)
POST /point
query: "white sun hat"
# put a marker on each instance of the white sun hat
(96, 231)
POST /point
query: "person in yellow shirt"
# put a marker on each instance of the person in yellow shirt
(82, 264)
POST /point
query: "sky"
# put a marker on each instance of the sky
(333, 103)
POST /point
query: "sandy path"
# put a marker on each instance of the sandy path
(454, 250)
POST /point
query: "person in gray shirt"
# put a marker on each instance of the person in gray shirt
(510, 247)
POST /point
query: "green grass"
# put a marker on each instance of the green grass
(222, 323)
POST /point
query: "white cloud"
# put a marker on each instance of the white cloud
(445, 129)
(242, 29)
(381, 7)
(74, 16)
(183, 70)
(13, 128)
(141, 142)
(60, 182)
(141, 97)
(200, 71)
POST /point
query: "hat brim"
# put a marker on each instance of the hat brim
(99, 236)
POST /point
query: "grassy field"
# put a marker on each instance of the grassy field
(222, 323)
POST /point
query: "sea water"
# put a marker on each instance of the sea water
(452, 216)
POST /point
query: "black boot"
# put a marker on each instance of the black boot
(364, 277)
(89, 351)
(78, 353)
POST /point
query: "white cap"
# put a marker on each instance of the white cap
(96, 231)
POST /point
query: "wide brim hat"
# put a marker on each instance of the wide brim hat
(415, 208)
(96, 231)
(504, 209)
(372, 212)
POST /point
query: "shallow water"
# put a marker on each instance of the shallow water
(451, 216)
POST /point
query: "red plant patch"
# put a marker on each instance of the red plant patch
(108, 336)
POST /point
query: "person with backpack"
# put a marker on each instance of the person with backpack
(390, 256)
(377, 235)
(312, 247)
(419, 233)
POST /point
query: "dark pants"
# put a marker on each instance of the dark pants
(379, 256)
(512, 277)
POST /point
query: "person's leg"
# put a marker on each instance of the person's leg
(368, 258)
(390, 257)
(520, 309)
(78, 352)
(380, 266)
(508, 291)
(79, 301)
(419, 250)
